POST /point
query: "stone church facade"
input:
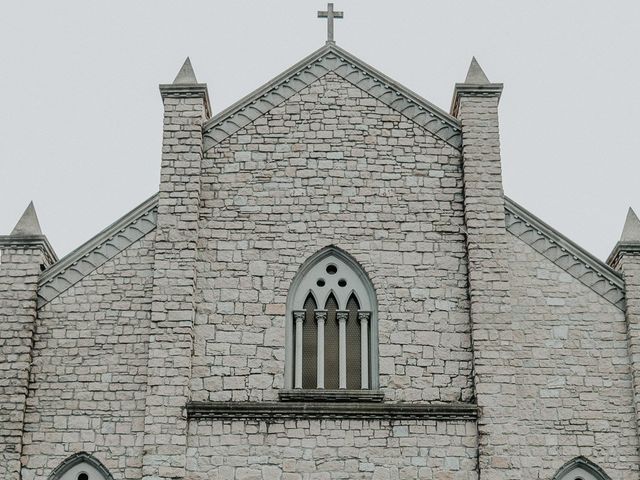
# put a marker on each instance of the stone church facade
(330, 284)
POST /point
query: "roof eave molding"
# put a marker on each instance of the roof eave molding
(331, 58)
(566, 254)
(98, 250)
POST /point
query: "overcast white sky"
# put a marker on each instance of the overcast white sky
(81, 116)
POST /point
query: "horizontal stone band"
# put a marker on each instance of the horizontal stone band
(332, 410)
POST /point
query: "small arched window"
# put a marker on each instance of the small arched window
(80, 466)
(331, 325)
(580, 468)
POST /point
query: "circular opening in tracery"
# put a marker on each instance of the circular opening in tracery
(332, 269)
(342, 282)
(320, 282)
(83, 476)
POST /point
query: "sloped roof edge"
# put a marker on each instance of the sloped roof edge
(523, 224)
(96, 251)
(331, 58)
(569, 256)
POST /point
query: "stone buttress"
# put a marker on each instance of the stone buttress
(475, 104)
(625, 258)
(186, 107)
(25, 254)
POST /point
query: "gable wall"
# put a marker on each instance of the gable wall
(332, 166)
(565, 387)
(88, 384)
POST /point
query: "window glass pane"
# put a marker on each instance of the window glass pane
(331, 345)
(309, 345)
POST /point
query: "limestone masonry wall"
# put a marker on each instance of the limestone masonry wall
(88, 380)
(332, 166)
(566, 348)
(331, 449)
(196, 310)
(19, 273)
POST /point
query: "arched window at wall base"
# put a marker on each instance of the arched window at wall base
(331, 326)
(580, 468)
(80, 466)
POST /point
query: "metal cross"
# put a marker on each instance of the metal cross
(329, 14)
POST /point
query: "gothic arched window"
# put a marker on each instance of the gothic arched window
(80, 466)
(331, 325)
(580, 468)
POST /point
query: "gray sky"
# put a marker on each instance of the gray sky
(81, 116)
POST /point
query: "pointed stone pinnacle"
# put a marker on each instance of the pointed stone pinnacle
(186, 74)
(28, 223)
(476, 75)
(631, 230)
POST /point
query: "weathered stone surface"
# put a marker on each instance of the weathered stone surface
(19, 270)
(88, 379)
(332, 449)
(332, 166)
(194, 310)
(565, 348)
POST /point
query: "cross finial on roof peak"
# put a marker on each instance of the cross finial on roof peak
(330, 14)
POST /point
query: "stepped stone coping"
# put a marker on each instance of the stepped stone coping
(572, 258)
(332, 410)
(98, 250)
(331, 58)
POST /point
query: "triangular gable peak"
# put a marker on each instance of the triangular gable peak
(331, 58)
(567, 255)
(97, 251)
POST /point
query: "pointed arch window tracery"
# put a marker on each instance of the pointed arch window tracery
(580, 468)
(331, 330)
(80, 466)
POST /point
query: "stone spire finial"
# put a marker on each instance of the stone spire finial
(476, 75)
(631, 230)
(28, 223)
(475, 85)
(186, 75)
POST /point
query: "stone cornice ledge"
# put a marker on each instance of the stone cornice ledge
(198, 90)
(629, 248)
(332, 410)
(30, 241)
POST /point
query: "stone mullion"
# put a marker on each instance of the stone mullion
(321, 318)
(298, 318)
(364, 318)
(342, 318)
(173, 302)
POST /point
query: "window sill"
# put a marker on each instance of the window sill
(321, 395)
